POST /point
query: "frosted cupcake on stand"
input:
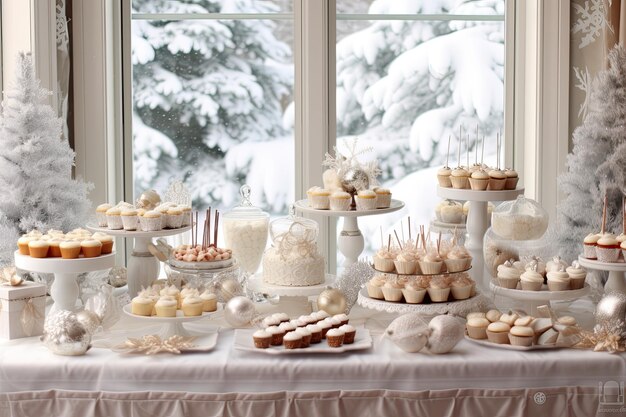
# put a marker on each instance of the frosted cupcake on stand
(531, 280)
(366, 200)
(577, 275)
(318, 198)
(340, 201)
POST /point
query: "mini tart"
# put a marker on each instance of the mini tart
(166, 307)
(477, 327)
(521, 335)
(459, 178)
(22, 244)
(70, 249)
(349, 333)
(292, 340)
(142, 306)
(443, 177)
(479, 180)
(498, 332)
(262, 339)
(335, 338)
(497, 180)
(209, 301)
(192, 306)
(91, 248)
(38, 248)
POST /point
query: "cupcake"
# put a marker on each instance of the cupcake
(287, 326)
(22, 244)
(511, 179)
(130, 219)
(384, 260)
(449, 211)
(70, 249)
(461, 287)
(292, 340)
(306, 336)
(319, 198)
(608, 249)
(340, 201)
(392, 290)
(101, 214)
(277, 335)
(531, 280)
(406, 263)
(577, 275)
(335, 337)
(334, 323)
(150, 221)
(316, 333)
(91, 248)
(459, 178)
(431, 263)
(173, 292)
(555, 264)
(413, 292)
(458, 259)
(508, 276)
(142, 306)
(270, 321)
(443, 177)
(261, 339)
(477, 328)
(38, 248)
(509, 318)
(476, 315)
(106, 241)
(298, 323)
(186, 211)
(521, 336)
(497, 180)
(325, 326)
(589, 245)
(349, 333)
(162, 210)
(439, 289)
(366, 200)
(479, 180)
(166, 307)
(54, 250)
(343, 318)
(321, 315)
(209, 301)
(498, 332)
(192, 305)
(558, 280)
(383, 197)
(114, 218)
(493, 315)
(174, 218)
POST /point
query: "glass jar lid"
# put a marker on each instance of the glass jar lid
(245, 210)
(295, 227)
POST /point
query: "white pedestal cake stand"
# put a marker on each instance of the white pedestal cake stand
(172, 326)
(64, 290)
(533, 299)
(616, 270)
(291, 295)
(350, 242)
(477, 220)
(143, 267)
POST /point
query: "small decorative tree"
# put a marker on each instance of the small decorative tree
(597, 165)
(36, 182)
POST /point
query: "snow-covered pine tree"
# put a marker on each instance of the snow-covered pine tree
(597, 164)
(35, 163)
(201, 88)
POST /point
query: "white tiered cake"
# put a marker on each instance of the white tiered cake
(293, 260)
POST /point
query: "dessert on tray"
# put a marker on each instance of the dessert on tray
(56, 244)
(532, 273)
(605, 246)
(165, 301)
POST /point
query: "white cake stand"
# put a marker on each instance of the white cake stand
(292, 295)
(350, 242)
(534, 299)
(143, 267)
(64, 290)
(172, 326)
(477, 219)
(616, 270)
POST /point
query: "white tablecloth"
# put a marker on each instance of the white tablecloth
(26, 365)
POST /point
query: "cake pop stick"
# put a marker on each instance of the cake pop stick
(398, 239)
(459, 148)
(422, 236)
(604, 214)
(208, 217)
(467, 153)
(191, 222)
(196, 242)
(410, 229)
(448, 153)
(439, 243)
(482, 152)
(216, 227)
(624, 215)
(402, 230)
(476, 146)
(389, 244)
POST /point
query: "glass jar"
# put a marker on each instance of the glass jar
(521, 219)
(245, 230)
(298, 229)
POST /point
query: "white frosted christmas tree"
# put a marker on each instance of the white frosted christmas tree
(36, 182)
(597, 165)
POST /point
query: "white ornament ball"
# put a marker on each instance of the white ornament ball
(239, 311)
(332, 301)
(445, 333)
(230, 288)
(89, 319)
(409, 332)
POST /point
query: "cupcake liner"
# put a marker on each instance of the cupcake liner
(392, 294)
(430, 268)
(589, 251)
(438, 295)
(319, 202)
(531, 286)
(478, 184)
(496, 184)
(335, 341)
(277, 339)
(405, 267)
(364, 204)
(558, 286)
(102, 219)
(348, 338)
(456, 265)
(413, 297)
(374, 291)
(383, 200)
(262, 342)
(577, 283)
(501, 338)
(150, 224)
(174, 221)
(186, 219)
(511, 183)
(476, 332)
(461, 293)
(444, 181)
(384, 264)
(459, 182)
(292, 344)
(129, 222)
(510, 283)
(340, 204)
(520, 340)
(115, 222)
(107, 247)
(607, 254)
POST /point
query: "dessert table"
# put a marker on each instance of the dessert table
(471, 380)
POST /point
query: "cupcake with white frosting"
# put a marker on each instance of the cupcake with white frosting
(608, 248)
(383, 197)
(392, 290)
(479, 180)
(366, 200)
(508, 276)
(531, 280)
(318, 198)
(114, 218)
(101, 214)
(577, 275)
(340, 201)
(439, 288)
(589, 245)
(497, 179)
(558, 280)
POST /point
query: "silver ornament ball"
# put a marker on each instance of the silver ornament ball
(65, 335)
(610, 308)
(355, 179)
(239, 311)
(332, 301)
(89, 320)
(117, 277)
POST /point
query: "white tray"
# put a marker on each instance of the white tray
(243, 341)
(303, 206)
(478, 195)
(543, 295)
(507, 346)
(202, 266)
(64, 266)
(256, 284)
(137, 233)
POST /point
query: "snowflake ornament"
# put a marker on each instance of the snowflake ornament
(342, 163)
(591, 21)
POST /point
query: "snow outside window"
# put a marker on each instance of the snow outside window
(409, 74)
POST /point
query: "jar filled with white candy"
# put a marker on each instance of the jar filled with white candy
(521, 219)
(245, 232)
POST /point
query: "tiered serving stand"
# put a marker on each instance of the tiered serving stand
(297, 296)
(350, 242)
(477, 220)
(143, 267)
(64, 290)
(616, 270)
(530, 300)
(172, 326)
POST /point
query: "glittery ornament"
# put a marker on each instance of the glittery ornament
(409, 332)
(229, 288)
(177, 193)
(89, 319)
(351, 281)
(610, 308)
(239, 311)
(332, 301)
(148, 200)
(445, 333)
(65, 335)
(117, 277)
(354, 180)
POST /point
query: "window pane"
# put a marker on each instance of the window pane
(211, 106)
(463, 7)
(404, 87)
(212, 6)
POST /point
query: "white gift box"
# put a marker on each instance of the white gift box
(22, 310)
